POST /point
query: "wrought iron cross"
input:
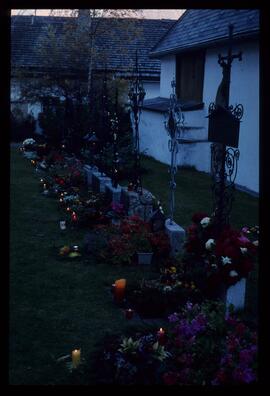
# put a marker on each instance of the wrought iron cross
(224, 160)
(104, 122)
(136, 96)
(174, 124)
(115, 129)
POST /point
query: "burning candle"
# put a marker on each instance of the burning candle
(161, 336)
(74, 217)
(120, 287)
(41, 180)
(76, 357)
(61, 200)
(45, 186)
(129, 313)
(63, 225)
(68, 209)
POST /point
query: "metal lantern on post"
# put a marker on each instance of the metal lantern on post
(136, 96)
(174, 123)
(223, 130)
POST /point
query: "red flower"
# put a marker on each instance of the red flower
(192, 229)
(170, 378)
(221, 376)
(245, 266)
(193, 245)
(197, 217)
(240, 329)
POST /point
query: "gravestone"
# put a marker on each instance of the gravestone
(235, 295)
(138, 204)
(176, 236)
(99, 182)
(89, 173)
(114, 194)
(95, 181)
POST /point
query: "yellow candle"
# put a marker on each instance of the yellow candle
(76, 357)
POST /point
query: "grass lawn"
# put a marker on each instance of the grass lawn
(57, 306)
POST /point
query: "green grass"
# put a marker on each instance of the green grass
(57, 306)
(193, 194)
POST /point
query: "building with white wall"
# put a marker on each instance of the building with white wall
(189, 54)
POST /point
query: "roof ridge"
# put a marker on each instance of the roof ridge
(162, 37)
(192, 29)
(54, 17)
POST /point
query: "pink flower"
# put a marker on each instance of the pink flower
(243, 239)
(244, 229)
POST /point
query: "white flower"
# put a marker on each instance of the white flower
(233, 274)
(210, 244)
(256, 243)
(28, 141)
(243, 250)
(226, 260)
(167, 289)
(205, 222)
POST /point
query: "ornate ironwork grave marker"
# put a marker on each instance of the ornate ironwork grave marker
(136, 96)
(223, 130)
(174, 124)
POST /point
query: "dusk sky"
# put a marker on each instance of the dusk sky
(149, 13)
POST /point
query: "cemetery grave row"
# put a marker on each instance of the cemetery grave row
(199, 276)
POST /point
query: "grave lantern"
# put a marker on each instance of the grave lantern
(157, 221)
(224, 124)
(91, 141)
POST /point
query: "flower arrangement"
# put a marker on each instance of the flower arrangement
(160, 244)
(209, 348)
(142, 243)
(202, 347)
(136, 237)
(217, 260)
(69, 252)
(121, 250)
(131, 360)
(159, 297)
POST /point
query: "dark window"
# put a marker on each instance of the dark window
(190, 76)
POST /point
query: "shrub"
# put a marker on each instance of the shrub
(22, 127)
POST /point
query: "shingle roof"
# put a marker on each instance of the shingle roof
(26, 37)
(203, 27)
